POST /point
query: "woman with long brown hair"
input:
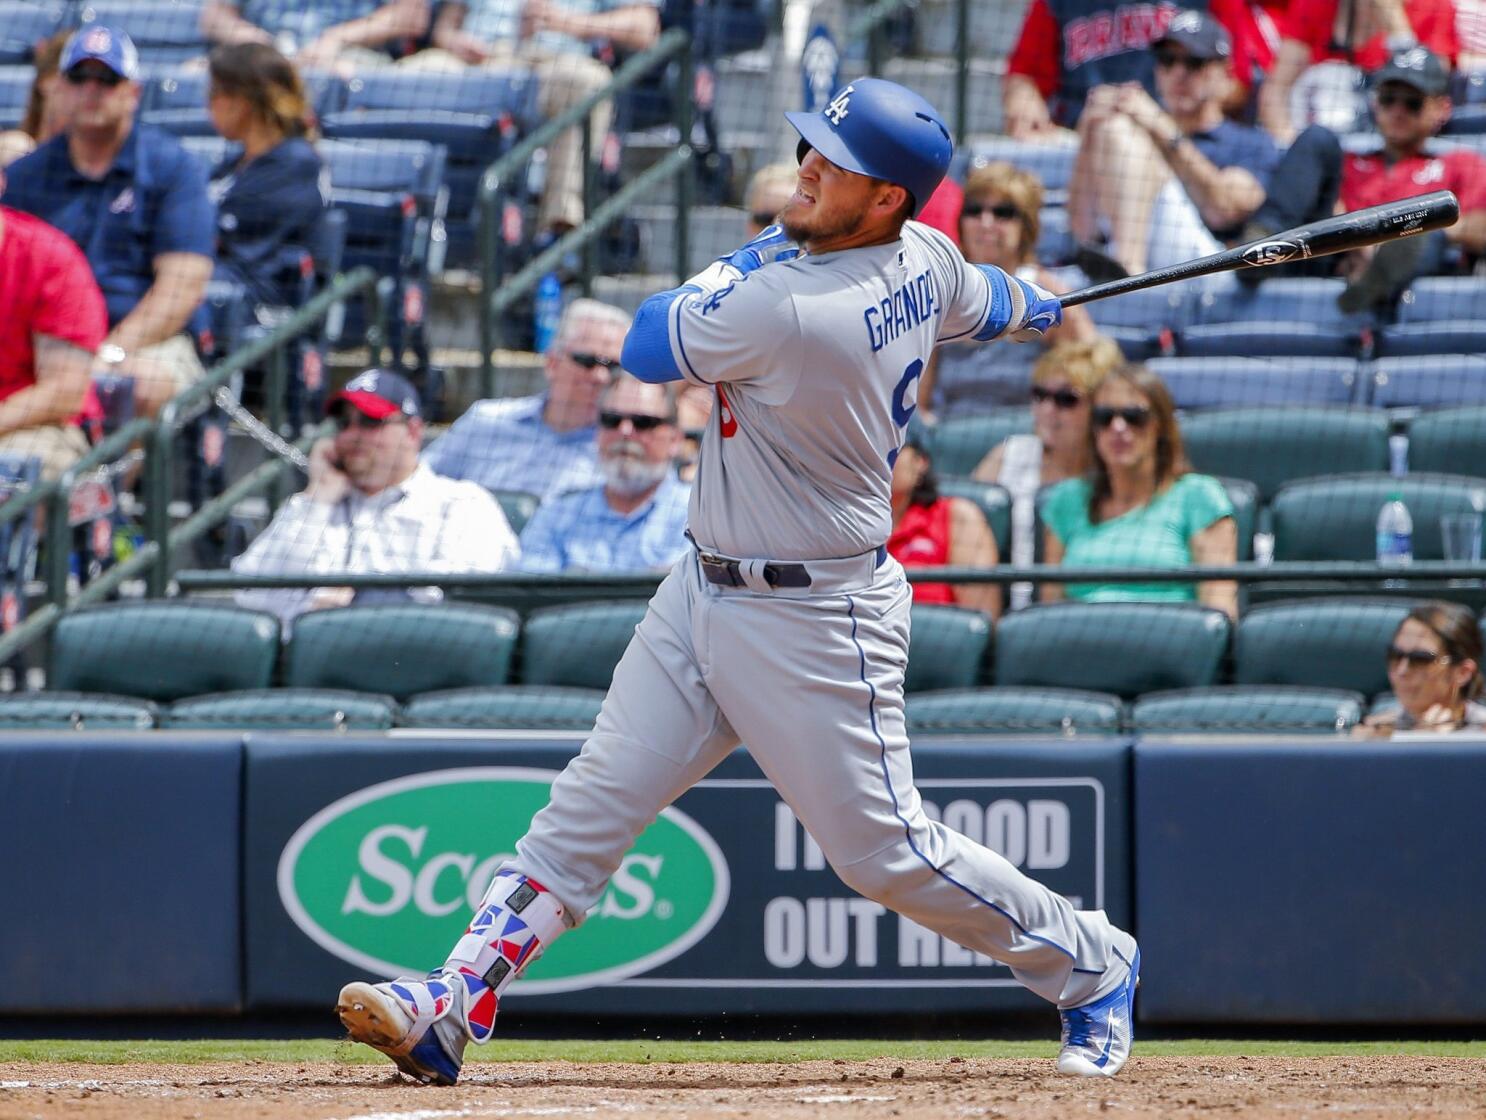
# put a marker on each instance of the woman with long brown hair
(43, 118)
(1434, 666)
(1141, 506)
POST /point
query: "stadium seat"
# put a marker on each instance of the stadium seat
(166, 32)
(1318, 643)
(163, 651)
(518, 506)
(1051, 163)
(514, 708)
(1267, 340)
(957, 445)
(17, 538)
(284, 709)
(1266, 710)
(1250, 382)
(1123, 648)
(1431, 381)
(1286, 299)
(24, 23)
(1447, 439)
(1244, 496)
(176, 101)
(1013, 711)
(1171, 306)
(993, 501)
(1447, 336)
(1335, 518)
(1432, 298)
(401, 649)
(75, 711)
(1054, 240)
(1272, 446)
(15, 92)
(946, 648)
(577, 645)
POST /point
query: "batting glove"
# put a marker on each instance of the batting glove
(773, 244)
(1042, 311)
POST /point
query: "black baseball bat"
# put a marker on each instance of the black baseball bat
(1317, 239)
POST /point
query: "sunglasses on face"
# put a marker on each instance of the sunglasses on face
(348, 418)
(1061, 398)
(82, 75)
(1002, 211)
(589, 361)
(1167, 59)
(1135, 417)
(1413, 102)
(1414, 658)
(641, 422)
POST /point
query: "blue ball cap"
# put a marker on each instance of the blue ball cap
(378, 393)
(107, 45)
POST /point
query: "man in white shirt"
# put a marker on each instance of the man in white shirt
(371, 507)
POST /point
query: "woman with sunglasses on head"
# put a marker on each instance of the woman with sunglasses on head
(1434, 666)
(1057, 448)
(1141, 506)
(999, 225)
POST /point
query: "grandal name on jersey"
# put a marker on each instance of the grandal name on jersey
(903, 309)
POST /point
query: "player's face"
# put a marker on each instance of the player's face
(830, 206)
(1405, 117)
(637, 437)
(580, 365)
(1124, 427)
(1060, 414)
(96, 99)
(1184, 83)
(992, 232)
(1421, 686)
(375, 454)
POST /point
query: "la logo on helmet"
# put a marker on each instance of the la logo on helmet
(836, 110)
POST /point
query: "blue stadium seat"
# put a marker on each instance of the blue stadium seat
(1245, 382)
(1262, 339)
(15, 91)
(1446, 336)
(1429, 381)
(1443, 297)
(1052, 163)
(167, 32)
(176, 101)
(1150, 310)
(24, 23)
(1054, 239)
(1283, 299)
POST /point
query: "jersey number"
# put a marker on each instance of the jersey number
(905, 404)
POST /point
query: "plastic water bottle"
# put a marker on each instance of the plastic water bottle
(547, 309)
(1395, 527)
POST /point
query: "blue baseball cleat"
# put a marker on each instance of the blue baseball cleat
(1097, 1036)
(419, 1024)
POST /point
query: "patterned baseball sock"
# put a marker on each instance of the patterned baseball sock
(515, 921)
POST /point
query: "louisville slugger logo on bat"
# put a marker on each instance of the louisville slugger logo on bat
(1273, 252)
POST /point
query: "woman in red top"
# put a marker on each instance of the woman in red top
(929, 530)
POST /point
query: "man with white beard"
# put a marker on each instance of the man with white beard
(637, 519)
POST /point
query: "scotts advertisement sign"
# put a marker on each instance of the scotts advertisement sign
(387, 877)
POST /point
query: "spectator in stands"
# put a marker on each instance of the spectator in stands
(1058, 447)
(346, 35)
(693, 409)
(930, 530)
(768, 191)
(556, 39)
(1060, 58)
(1167, 182)
(1328, 45)
(52, 320)
(43, 118)
(271, 198)
(543, 445)
(1316, 179)
(136, 204)
(1434, 666)
(999, 224)
(371, 507)
(636, 519)
(1141, 507)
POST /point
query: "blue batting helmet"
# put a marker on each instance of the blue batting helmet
(878, 128)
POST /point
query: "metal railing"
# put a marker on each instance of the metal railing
(499, 292)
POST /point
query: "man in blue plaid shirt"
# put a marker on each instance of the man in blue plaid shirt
(319, 34)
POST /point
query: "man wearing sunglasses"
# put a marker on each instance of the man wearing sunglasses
(1161, 183)
(635, 521)
(543, 444)
(370, 506)
(135, 202)
(1410, 104)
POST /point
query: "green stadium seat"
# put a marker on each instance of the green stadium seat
(518, 506)
(994, 501)
(946, 648)
(956, 446)
(75, 711)
(163, 651)
(401, 649)
(285, 709)
(1448, 439)
(1319, 643)
(1013, 711)
(1270, 710)
(577, 645)
(1123, 648)
(1245, 498)
(1335, 518)
(1272, 446)
(512, 707)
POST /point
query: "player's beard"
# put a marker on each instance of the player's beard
(817, 226)
(627, 472)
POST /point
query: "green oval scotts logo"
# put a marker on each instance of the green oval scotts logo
(387, 878)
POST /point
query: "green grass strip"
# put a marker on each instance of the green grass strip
(642, 1050)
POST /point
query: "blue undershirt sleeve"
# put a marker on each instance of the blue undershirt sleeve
(998, 316)
(647, 347)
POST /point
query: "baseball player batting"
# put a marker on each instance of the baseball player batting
(786, 626)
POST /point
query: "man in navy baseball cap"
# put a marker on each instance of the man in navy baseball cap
(113, 48)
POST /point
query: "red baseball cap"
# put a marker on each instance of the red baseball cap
(378, 393)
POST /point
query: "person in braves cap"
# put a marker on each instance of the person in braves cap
(370, 507)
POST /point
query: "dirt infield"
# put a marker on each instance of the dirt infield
(1363, 1087)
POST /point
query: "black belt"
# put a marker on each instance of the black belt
(726, 572)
